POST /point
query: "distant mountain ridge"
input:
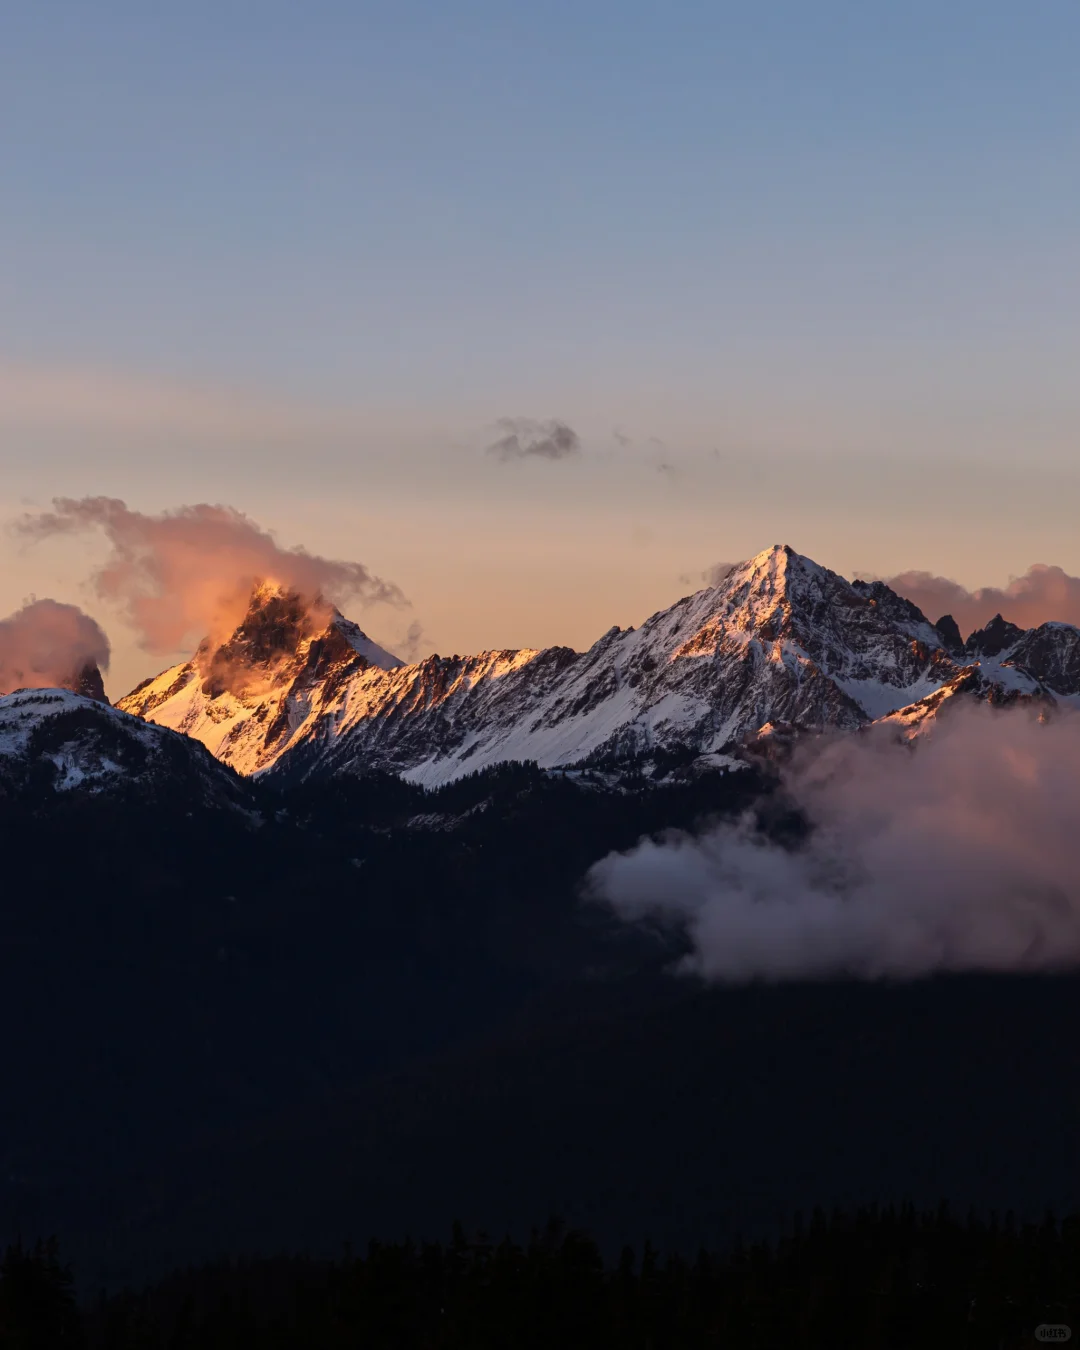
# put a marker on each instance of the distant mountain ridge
(59, 743)
(780, 640)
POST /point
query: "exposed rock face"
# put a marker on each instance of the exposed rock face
(1051, 653)
(950, 635)
(89, 684)
(998, 636)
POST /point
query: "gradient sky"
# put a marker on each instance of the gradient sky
(803, 273)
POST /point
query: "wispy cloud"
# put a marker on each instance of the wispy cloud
(413, 643)
(525, 438)
(714, 575)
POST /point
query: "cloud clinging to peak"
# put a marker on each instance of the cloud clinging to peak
(47, 644)
(189, 572)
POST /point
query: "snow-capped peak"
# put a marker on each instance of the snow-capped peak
(280, 629)
(56, 741)
(279, 620)
(246, 697)
(359, 641)
(771, 575)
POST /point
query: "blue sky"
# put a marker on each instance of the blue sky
(836, 243)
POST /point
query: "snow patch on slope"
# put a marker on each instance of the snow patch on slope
(877, 698)
(92, 747)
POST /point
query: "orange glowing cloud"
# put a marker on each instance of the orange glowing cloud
(190, 572)
(1042, 594)
(47, 644)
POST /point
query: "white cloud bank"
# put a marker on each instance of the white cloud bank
(962, 853)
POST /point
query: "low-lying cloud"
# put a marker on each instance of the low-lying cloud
(189, 572)
(524, 438)
(959, 854)
(1043, 593)
(47, 644)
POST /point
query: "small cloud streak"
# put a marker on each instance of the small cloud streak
(524, 438)
(190, 572)
(961, 854)
(1042, 594)
(48, 645)
(714, 575)
(413, 643)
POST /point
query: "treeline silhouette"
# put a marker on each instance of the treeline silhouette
(893, 1278)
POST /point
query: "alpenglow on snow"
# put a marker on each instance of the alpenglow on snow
(779, 640)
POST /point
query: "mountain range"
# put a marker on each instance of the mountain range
(299, 691)
(268, 989)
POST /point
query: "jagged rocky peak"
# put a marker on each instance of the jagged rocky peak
(765, 593)
(277, 621)
(280, 627)
(89, 684)
(772, 577)
(782, 596)
(903, 614)
(783, 586)
(950, 634)
(997, 637)
(1051, 653)
(245, 696)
